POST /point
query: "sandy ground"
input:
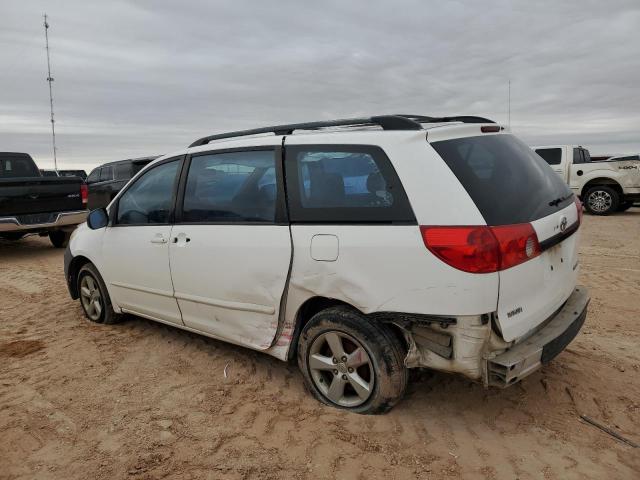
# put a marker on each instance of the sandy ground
(143, 400)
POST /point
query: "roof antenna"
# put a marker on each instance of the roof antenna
(50, 80)
(509, 108)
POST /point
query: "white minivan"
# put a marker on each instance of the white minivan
(359, 247)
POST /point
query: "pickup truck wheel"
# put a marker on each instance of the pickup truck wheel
(59, 239)
(601, 200)
(94, 296)
(352, 363)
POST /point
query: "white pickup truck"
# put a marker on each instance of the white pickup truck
(603, 186)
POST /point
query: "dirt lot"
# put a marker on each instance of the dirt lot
(143, 400)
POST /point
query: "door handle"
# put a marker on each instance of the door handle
(159, 238)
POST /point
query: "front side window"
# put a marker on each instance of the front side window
(553, 156)
(344, 184)
(231, 187)
(149, 199)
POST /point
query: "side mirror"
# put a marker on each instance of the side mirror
(98, 218)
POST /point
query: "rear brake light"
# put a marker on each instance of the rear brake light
(490, 128)
(482, 249)
(84, 193)
(579, 207)
(518, 243)
(470, 249)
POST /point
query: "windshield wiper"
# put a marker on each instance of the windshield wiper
(557, 201)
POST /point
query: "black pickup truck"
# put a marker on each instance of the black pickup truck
(31, 203)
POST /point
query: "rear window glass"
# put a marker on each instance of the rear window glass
(123, 171)
(17, 166)
(508, 181)
(553, 156)
(580, 155)
(106, 174)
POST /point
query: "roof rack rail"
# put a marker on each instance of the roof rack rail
(458, 118)
(387, 122)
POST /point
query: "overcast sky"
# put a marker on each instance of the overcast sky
(136, 78)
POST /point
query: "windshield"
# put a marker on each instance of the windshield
(508, 181)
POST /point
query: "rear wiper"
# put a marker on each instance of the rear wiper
(557, 201)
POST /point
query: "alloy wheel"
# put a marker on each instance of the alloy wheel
(599, 201)
(341, 369)
(90, 297)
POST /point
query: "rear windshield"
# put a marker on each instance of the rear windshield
(508, 181)
(13, 166)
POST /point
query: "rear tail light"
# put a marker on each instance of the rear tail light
(518, 243)
(482, 249)
(84, 193)
(471, 249)
(579, 207)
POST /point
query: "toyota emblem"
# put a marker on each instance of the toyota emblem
(563, 224)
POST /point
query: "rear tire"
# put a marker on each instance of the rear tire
(59, 239)
(350, 362)
(94, 296)
(601, 200)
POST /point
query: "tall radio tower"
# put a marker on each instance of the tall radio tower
(50, 80)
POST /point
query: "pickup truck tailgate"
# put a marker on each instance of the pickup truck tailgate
(41, 195)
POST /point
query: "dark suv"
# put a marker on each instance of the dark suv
(106, 180)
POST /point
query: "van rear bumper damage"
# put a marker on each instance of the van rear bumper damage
(543, 346)
(469, 345)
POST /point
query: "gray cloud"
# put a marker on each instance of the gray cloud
(147, 77)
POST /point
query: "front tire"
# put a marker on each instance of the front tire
(94, 296)
(351, 362)
(601, 200)
(59, 239)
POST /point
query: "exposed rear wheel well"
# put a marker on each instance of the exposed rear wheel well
(76, 264)
(314, 305)
(600, 181)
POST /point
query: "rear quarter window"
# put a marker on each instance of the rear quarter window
(123, 171)
(508, 181)
(344, 184)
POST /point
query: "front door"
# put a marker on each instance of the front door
(136, 245)
(230, 247)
